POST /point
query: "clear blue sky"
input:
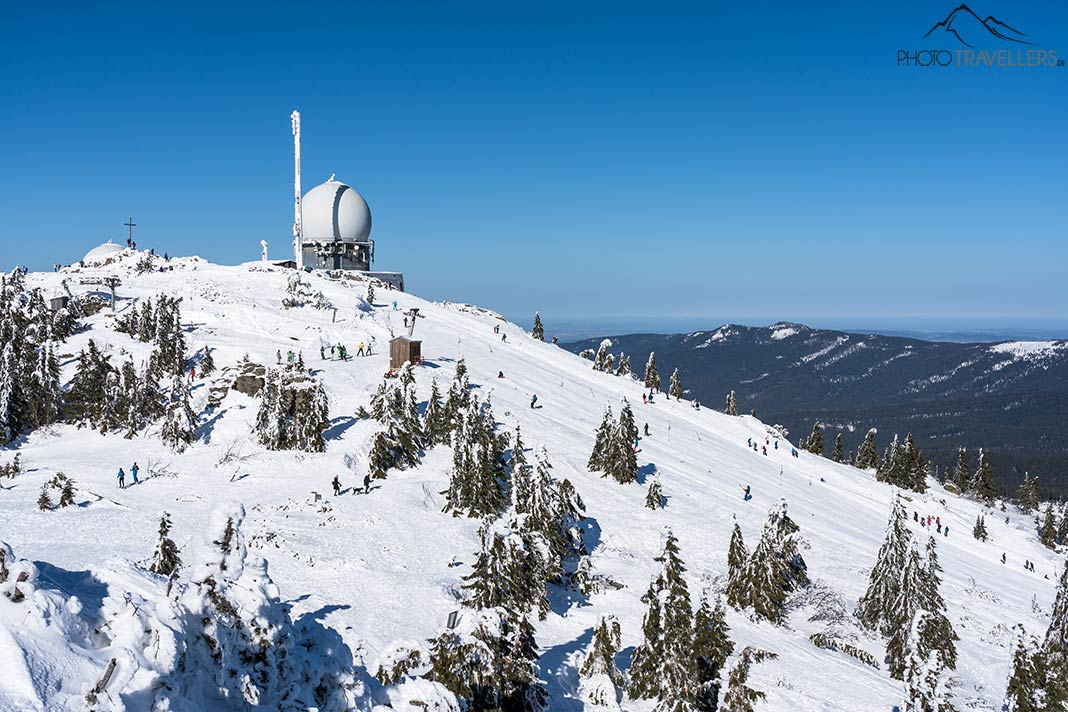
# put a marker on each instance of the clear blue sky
(743, 160)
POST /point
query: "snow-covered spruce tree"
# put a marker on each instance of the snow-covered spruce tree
(739, 697)
(983, 484)
(82, 402)
(962, 474)
(43, 387)
(979, 530)
(875, 608)
(731, 406)
(521, 490)
(165, 559)
(1048, 531)
(478, 484)
(836, 454)
(147, 402)
(293, 411)
(13, 413)
(623, 369)
(867, 455)
(1024, 690)
(1054, 653)
(663, 667)
(243, 648)
(601, 360)
(651, 377)
(654, 497)
(1027, 495)
(711, 648)
(179, 429)
(943, 636)
(538, 332)
(914, 466)
(774, 569)
(459, 396)
(598, 456)
(207, 363)
(66, 490)
(44, 500)
(599, 686)
(928, 686)
(436, 426)
(675, 386)
(737, 556)
(908, 602)
(814, 444)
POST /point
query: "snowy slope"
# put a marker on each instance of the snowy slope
(376, 567)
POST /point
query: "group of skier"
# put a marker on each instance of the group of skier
(929, 520)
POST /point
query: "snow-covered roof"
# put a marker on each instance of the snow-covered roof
(105, 250)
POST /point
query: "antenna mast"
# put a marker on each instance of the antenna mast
(298, 228)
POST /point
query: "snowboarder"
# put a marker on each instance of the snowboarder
(647, 430)
(747, 496)
(337, 486)
(133, 472)
(533, 400)
(122, 479)
(366, 483)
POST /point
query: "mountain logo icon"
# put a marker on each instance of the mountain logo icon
(970, 29)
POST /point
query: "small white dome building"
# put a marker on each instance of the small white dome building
(100, 251)
(335, 211)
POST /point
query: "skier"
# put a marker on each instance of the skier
(133, 471)
(1027, 565)
(337, 486)
(496, 328)
(192, 374)
(938, 520)
(122, 479)
(946, 532)
(915, 516)
(366, 483)
(939, 525)
(504, 337)
(359, 349)
(765, 449)
(1003, 557)
(647, 430)
(697, 405)
(500, 374)
(533, 400)
(747, 496)
(278, 355)
(793, 452)
(644, 402)
(749, 442)
(322, 353)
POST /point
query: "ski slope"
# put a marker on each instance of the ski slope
(376, 567)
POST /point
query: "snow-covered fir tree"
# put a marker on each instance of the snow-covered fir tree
(774, 569)
(436, 426)
(737, 556)
(601, 679)
(962, 473)
(928, 685)
(1027, 496)
(943, 636)
(731, 406)
(293, 412)
(66, 490)
(651, 378)
(206, 366)
(739, 697)
(179, 428)
(662, 666)
(1054, 652)
(614, 446)
(601, 360)
(597, 459)
(908, 602)
(1024, 691)
(478, 483)
(875, 608)
(814, 443)
(538, 332)
(623, 368)
(82, 402)
(836, 453)
(165, 559)
(983, 484)
(979, 530)
(12, 408)
(44, 500)
(675, 386)
(654, 496)
(711, 648)
(867, 455)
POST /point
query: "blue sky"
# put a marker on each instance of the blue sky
(591, 160)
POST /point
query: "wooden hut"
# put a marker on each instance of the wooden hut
(403, 349)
